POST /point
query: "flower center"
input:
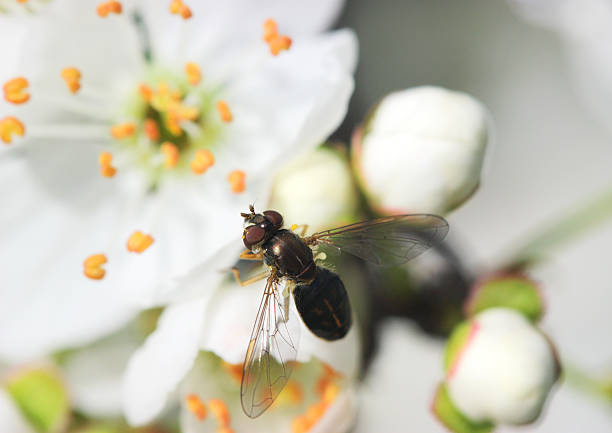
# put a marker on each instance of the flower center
(171, 124)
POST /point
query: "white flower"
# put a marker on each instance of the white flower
(316, 189)
(421, 150)
(249, 108)
(220, 322)
(505, 370)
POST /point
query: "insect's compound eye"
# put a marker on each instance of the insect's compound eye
(275, 218)
(253, 235)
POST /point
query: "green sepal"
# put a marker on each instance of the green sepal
(455, 344)
(514, 291)
(444, 409)
(41, 397)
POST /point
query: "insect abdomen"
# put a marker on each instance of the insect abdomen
(324, 305)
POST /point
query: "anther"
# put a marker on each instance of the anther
(171, 154)
(14, 90)
(72, 77)
(195, 406)
(106, 168)
(276, 42)
(224, 111)
(202, 161)
(219, 411)
(145, 92)
(270, 29)
(177, 7)
(122, 130)
(151, 129)
(236, 180)
(194, 75)
(92, 266)
(138, 242)
(108, 7)
(8, 126)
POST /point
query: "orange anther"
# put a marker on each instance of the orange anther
(270, 29)
(294, 392)
(219, 411)
(224, 111)
(8, 126)
(14, 90)
(151, 129)
(72, 77)
(225, 430)
(179, 8)
(22, 1)
(195, 406)
(331, 392)
(194, 75)
(108, 7)
(138, 242)
(171, 152)
(279, 43)
(300, 424)
(202, 161)
(92, 266)
(122, 130)
(234, 370)
(237, 181)
(145, 92)
(105, 160)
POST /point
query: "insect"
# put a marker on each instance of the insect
(320, 296)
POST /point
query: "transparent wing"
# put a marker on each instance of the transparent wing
(390, 240)
(271, 353)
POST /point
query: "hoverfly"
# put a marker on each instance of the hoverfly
(319, 294)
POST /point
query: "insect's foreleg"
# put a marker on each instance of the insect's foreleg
(248, 255)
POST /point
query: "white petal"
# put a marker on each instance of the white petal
(231, 25)
(94, 375)
(155, 370)
(340, 416)
(11, 419)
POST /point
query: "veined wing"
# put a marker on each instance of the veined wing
(390, 240)
(271, 352)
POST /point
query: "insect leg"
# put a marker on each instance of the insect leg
(253, 279)
(248, 255)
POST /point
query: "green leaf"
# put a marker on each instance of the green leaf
(514, 291)
(42, 398)
(452, 418)
(455, 343)
(577, 223)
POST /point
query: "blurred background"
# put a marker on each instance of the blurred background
(549, 154)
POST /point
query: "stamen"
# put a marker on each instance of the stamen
(72, 77)
(195, 406)
(14, 90)
(8, 126)
(219, 411)
(145, 92)
(234, 370)
(171, 153)
(202, 161)
(224, 111)
(194, 75)
(92, 266)
(151, 129)
(106, 169)
(123, 130)
(276, 42)
(177, 7)
(108, 7)
(237, 181)
(270, 29)
(293, 227)
(279, 43)
(139, 242)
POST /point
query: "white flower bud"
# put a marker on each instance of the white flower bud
(422, 150)
(504, 371)
(316, 189)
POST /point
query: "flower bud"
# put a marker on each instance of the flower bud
(500, 369)
(421, 150)
(316, 189)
